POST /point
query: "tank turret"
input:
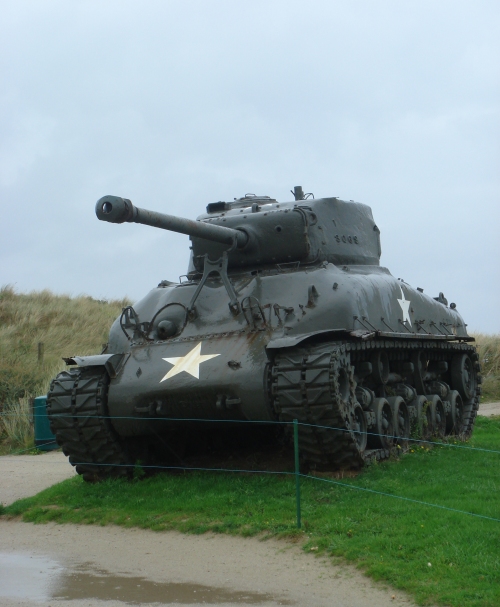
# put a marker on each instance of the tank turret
(258, 230)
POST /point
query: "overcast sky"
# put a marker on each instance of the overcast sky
(175, 104)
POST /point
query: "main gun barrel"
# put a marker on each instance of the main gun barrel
(118, 210)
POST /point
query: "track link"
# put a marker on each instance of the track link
(76, 406)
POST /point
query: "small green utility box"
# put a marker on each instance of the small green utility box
(44, 439)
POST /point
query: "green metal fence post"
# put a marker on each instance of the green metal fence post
(297, 468)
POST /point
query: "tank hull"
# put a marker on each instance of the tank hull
(363, 303)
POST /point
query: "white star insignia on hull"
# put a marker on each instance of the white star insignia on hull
(405, 307)
(190, 363)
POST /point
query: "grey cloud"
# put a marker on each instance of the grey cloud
(177, 104)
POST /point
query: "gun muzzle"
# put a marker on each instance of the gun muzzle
(119, 210)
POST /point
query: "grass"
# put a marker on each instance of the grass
(65, 325)
(438, 556)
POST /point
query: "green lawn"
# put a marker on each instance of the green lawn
(438, 556)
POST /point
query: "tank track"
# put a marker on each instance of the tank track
(317, 386)
(76, 406)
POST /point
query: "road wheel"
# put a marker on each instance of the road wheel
(438, 416)
(401, 420)
(358, 427)
(383, 433)
(463, 376)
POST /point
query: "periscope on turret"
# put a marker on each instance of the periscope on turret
(285, 313)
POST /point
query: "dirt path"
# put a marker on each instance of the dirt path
(88, 563)
(25, 475)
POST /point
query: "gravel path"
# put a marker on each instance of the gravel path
(25, 475)
(271, 572)
(489, 409)
(240, 571)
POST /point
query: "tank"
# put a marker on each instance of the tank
(285, 314)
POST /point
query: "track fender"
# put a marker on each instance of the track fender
(113, 363)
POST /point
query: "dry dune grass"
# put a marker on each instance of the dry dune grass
(65, 325)
(489, 354)
(17, 425)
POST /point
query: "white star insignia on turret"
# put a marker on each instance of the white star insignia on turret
(190, 363)
(405, 307)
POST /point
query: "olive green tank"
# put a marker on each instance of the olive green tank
(285, 313)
